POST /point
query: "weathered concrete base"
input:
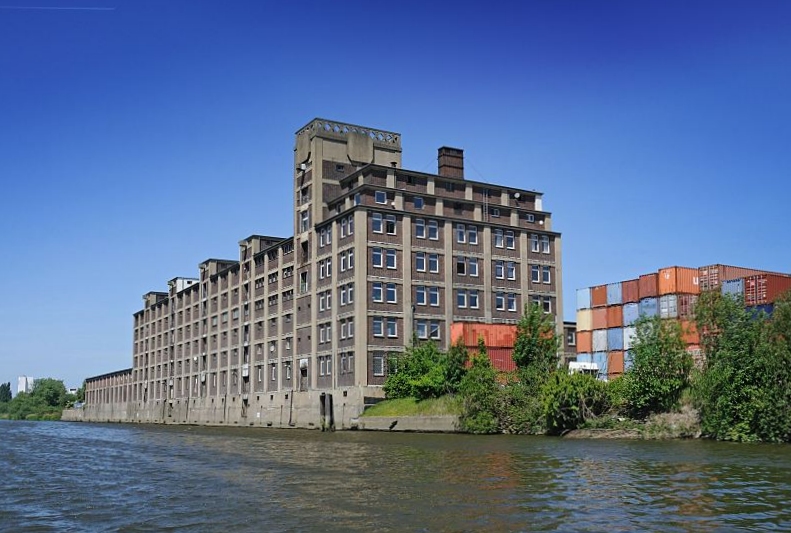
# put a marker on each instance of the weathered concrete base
(433, 424)
(276, 409)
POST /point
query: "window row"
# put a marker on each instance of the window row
(427, 295)
(383, 223)
(381, 257)
(385, 326)
(325, 268)
(424, 229)
(325, 300)
(347, 260)
(466, 234)
(325, 236)
(467, 298)
(346, 294)
(427, 329)
(325, 333)
(384, 292)
(347, 225)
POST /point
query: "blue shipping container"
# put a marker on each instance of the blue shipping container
(649, 307)
(614, 294)
(600, 358)
(631, 312)
(758, 311)
(583, 299)
(627, 360)
(584, 358)
(615, 339)
(734, 287)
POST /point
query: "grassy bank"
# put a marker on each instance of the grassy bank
(444, 405)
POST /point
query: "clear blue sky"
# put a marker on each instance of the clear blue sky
(140, 139)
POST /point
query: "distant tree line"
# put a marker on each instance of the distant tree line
(46, 400)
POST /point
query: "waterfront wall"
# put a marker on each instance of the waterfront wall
(277, 409)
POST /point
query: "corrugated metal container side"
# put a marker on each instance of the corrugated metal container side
(584, 341)
(733, 287)
(629, 336)
(614, 293)
(765, 288)
(689, 332)
(712, 276)
(599, 318)
(600, 358)
(668, 306)
(585, 320)
(686, 305)
(631, 312)
(501, 357)
(583, 299)
(630, 291)
(628, 359)
(584, 358)
(649, 307)
(615, 316)
(759, 311)
(599, 340)
(599, 296)
(673, 280)
(615, 364)
(493, 334)
(649, 286)
(615, 339)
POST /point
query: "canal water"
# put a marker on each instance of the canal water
(58, 476)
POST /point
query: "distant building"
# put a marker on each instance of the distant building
(24, 384)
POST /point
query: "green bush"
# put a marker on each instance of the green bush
(422, 371)
(569, 400)
(479, 391)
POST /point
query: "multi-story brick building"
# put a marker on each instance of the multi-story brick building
(379, 254)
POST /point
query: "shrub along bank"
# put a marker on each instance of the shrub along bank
(45, 401)
(742, 392)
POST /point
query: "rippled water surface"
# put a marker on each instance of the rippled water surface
(57, 476)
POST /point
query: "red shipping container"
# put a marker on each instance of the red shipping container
(648, 285)
(630, 291)
(492, 334)
(615, 316)
(614, 364)
(689, 333)
(599, 318)
(584, 342)
(678, 280)
(686, 305)
(599, 296)
(711, 277)
(765, 288)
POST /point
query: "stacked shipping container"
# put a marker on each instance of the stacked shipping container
(606, 313)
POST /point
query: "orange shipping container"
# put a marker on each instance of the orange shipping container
(584, 320)
(711, 276)
(584, 342)
(678, 280)
(614, 364)
(599, 296)
(599, 318)
(630, 291)
(615, 316)
(492, 334)
(765, 288)
(689, 333)
(648, 285)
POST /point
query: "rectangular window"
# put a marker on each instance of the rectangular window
(498, 238)
(433, 230)
(391, 293)
(376, 222)
(499, 269)
(461, 266)
(376, 292)
(544, 244)
(378, 364)
(351, 259)
(499, 301)
(472, 234)
(422, 329)
(418, 201)
(571, 338)
(434, 329)
(535, 274)
(343, 227)
(322, 300)
(358, 199)
(351, 292)
(530, 217)
(472, 297)
(433, 263)
(534, 247)
(461, 298)
(376, 257)
(351, 224)
(392, 327)
(343, 261)
(511, 301)
(343, 329)
(380, 197)
(420, 295)
(390, 224)
(391, 259)
(305, 220)
(350, 324)
(510, 242)
(511, 270)
(547, 304)
(495, 212)
(472, 266)
(420, 261)
(433, 296)
(329, 267)
(420, 228)
(546, 276)
(378, 326)
(461, 234)
(342, 295)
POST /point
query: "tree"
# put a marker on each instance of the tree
(51, 392)
(536, 343)
(419, 372)
(569, 400)
(479, 389)
(455, 365)
(5, 392)
(660, 367)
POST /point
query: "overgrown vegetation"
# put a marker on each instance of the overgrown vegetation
(44, 402)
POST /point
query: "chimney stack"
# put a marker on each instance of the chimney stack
(451, 162)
